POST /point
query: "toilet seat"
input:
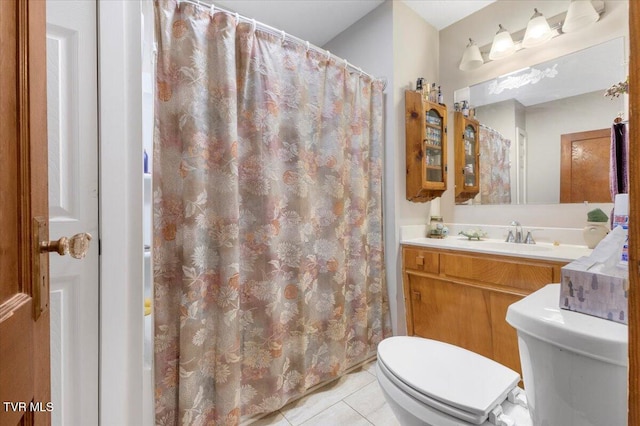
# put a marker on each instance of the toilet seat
(447, 378)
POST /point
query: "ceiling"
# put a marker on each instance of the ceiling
(313, 20)
(442, 13)
(319, 21)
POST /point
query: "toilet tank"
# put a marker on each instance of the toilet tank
(574, 365)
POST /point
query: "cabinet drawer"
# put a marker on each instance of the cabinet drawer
(421, 260)
(516, 274)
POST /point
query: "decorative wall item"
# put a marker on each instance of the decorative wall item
(531, 76)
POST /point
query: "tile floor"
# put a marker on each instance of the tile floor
(354, 400)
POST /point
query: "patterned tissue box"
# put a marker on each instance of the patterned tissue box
(598, 293)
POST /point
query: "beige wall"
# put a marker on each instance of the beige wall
(415, 54)
(481, 26)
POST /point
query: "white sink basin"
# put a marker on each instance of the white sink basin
(512, 247)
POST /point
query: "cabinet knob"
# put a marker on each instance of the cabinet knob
(419, 260)
(417, 295)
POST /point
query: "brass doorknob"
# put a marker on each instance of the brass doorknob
(77, 246)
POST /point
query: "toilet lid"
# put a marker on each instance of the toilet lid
(449, 375)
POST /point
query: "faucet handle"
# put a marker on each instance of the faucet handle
(510, 237)
(529, 239)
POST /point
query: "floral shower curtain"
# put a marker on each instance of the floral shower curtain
(495, 167)
(268, 252)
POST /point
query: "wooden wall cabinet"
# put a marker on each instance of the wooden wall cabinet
(426, 145)
(462, 297)
(467, 156)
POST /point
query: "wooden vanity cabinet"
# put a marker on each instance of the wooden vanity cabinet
(467, 156)
(462, 297)
(426, 148)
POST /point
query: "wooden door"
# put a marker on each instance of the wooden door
(24, 289)
(584, 167)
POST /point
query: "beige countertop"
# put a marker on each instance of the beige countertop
(545, 251)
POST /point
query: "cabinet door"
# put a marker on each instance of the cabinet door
(471, 149)
(504, 336)
(434, 170)
(451, 313)
(467, 157)
(426, 148)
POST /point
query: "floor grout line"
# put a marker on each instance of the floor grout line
(343, 399)
(333, 405)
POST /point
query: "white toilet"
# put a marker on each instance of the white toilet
(574, 367)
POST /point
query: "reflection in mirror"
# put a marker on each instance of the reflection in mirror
(525, 114)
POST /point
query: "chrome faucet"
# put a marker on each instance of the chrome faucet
(529, 239)
(510, 237)
(517, 236)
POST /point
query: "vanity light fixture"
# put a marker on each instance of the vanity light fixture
(503, 44)
(538, 31)
(471, 58)
(580, 14)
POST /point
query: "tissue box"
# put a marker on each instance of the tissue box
(587, 289)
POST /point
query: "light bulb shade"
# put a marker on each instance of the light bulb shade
(471, 58)
(580, 14)
(538, 31)
(502, 46)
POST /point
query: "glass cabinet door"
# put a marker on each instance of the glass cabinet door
(433, 155)
(470, 172)
(426, 148)
(467, 157)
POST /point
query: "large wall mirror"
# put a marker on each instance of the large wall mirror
(526, 115)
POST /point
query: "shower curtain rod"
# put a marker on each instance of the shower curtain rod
(491, 129)
(274, 31)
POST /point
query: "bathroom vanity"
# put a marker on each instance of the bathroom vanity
(458, 291)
